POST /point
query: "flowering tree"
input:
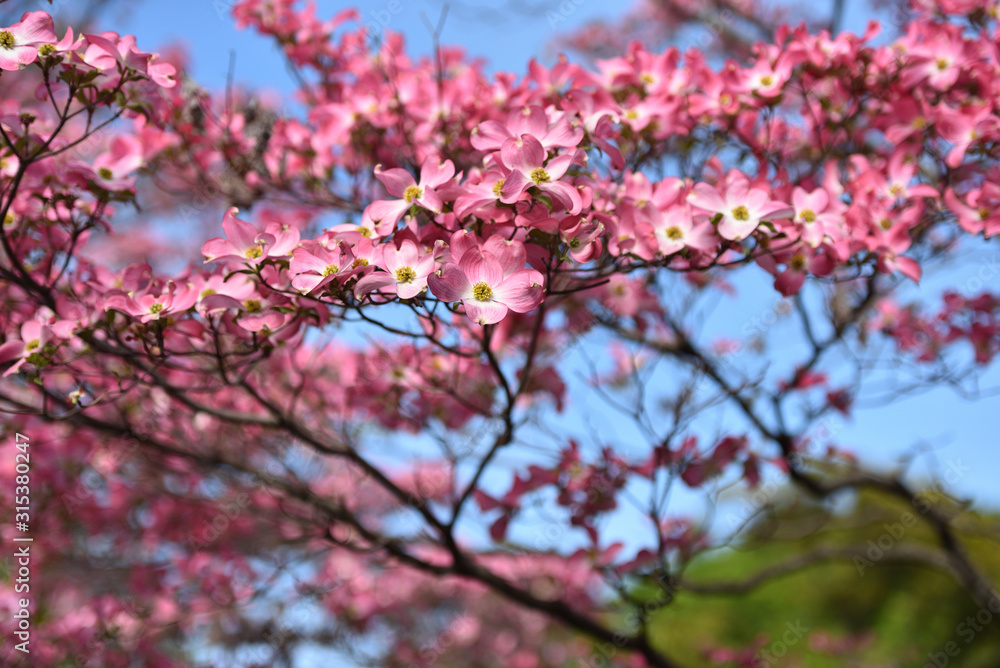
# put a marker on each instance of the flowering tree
(368, 393)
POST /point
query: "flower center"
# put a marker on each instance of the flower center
(411, 193)
(207, 292)
(7, 39)
(253, 306)
(631, 114)
(31, 345)
(540, 176)
(497, 187)
(809, 216)
(725, 99)
(674, 233)
(482, 291)
(885, 223)
(574, 242)
(46, 49)
(766, 80)
(359, 262)
(647, 78)
(984, 213)
(405, 274)
(155, 308)
(254, 252)
(798, 262)
(741, 213)
(366, 231)
(105, 173)
(330, 269)
(8, 219)
(942, 64)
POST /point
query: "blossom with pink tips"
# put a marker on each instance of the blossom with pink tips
(526, 159)
(243, 243)
(406, 272)
(815, 214)
(529, 120)
(34, 337)
(742, 208)
(153, 303)
(400, 183)
(487, 291)
(19, 43)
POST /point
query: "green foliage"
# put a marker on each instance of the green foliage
(880, 610)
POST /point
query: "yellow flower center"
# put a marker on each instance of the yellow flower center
(8, 219)
(498, 186)
(482, 291)
(330, 269)
(741, 213)
(766, 80)
(359, 262)
(919, 122)
(7, 39)
(942, 64)
(896, 189)
(809, 216)
(631, 114)
(405, 274)
(885, 223)
(105, 173)
(674, 233)
(798, 262)
(411, 193)
(31, 345)
(365, 231)
(647, 78)
(207, 292)
(574, 242)
(46, 49)
(984, 213)
(540, 176)
(253, 306)
(725, 99)
(254, 252)
(155, 308)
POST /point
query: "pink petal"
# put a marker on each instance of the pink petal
(513, 186)
(481, 266)
(512, 255)
(395, 180)
(527, 156)
(522, 292)
(242, 234)
(489, 136)
(450, 284)
(485, 313)
(706, 197)
(433, 172)
(373, 281)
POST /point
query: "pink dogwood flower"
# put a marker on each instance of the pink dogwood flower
(480, 283)
(153, 304)
(19, 43)
(400, 183)
(526, 159)
(406, 272)
(529, 120)
(243, 243)
(34, 337)
(743, 208)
